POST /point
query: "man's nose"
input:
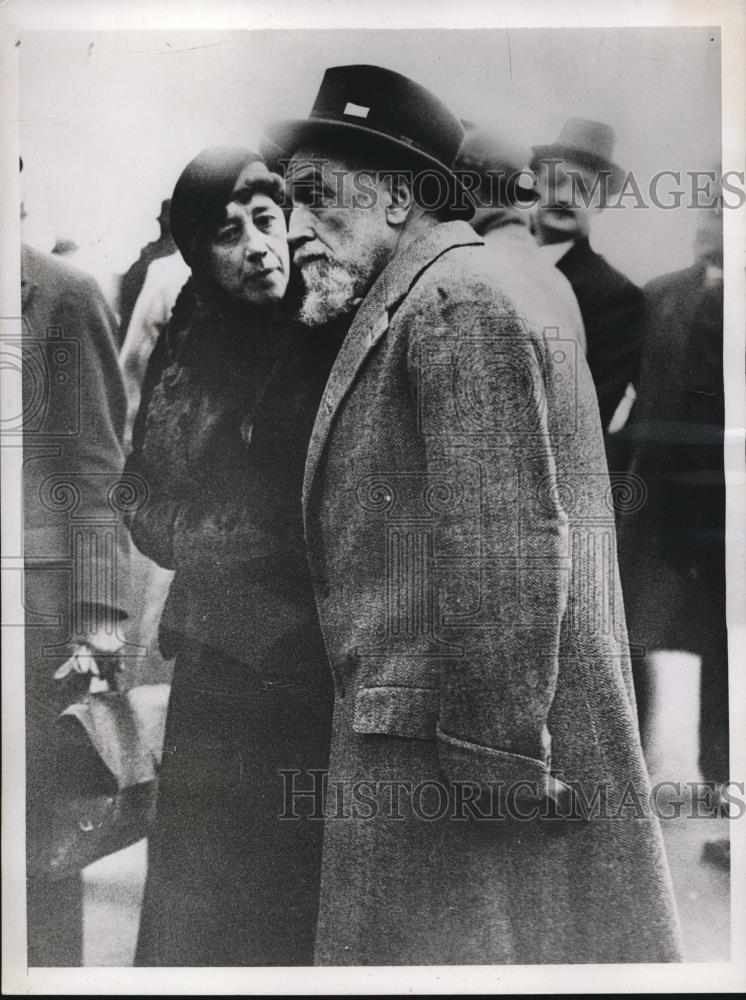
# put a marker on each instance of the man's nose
(300, 230)
(563, 191)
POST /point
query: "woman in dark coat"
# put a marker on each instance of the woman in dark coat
(220, 441)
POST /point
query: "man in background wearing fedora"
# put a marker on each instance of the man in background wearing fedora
(471, 683)
(576, 176)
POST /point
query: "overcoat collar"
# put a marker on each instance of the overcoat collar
(371, 323)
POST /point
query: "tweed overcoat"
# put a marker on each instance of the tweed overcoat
(460, 533)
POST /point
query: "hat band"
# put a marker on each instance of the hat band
(373, 125)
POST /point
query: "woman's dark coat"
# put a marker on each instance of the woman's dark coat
(194, 444)
(221, 446)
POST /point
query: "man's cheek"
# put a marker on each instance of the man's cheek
(336, 224)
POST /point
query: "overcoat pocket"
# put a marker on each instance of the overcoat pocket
(397, 711)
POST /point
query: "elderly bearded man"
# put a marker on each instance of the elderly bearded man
(456, 527)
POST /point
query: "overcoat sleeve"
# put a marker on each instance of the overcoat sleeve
(100, 446)
(481, 379)
(87, 465)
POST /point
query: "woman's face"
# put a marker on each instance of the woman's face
(248, 255)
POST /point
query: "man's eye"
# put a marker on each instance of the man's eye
(312, 196)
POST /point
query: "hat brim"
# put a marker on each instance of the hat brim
(283, 138)
(599, 164)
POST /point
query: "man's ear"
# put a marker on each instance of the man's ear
(398, 187)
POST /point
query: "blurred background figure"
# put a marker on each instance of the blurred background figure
(504, 195)
(672, 550)
(581, 161)
(165, 278)
(134, 278)
(76, 555)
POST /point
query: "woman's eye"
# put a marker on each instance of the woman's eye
(265, 222)
(227, 237)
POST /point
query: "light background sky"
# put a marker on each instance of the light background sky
(108, 119)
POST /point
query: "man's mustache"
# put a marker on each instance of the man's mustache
(302, 259)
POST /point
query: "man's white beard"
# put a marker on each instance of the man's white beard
(331, 290)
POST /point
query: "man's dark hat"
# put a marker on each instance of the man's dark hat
(589, 143)
(377, 104)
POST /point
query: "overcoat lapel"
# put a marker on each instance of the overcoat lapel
(371, 323)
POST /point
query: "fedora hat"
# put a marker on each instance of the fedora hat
(379, 105)
(589, 143)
